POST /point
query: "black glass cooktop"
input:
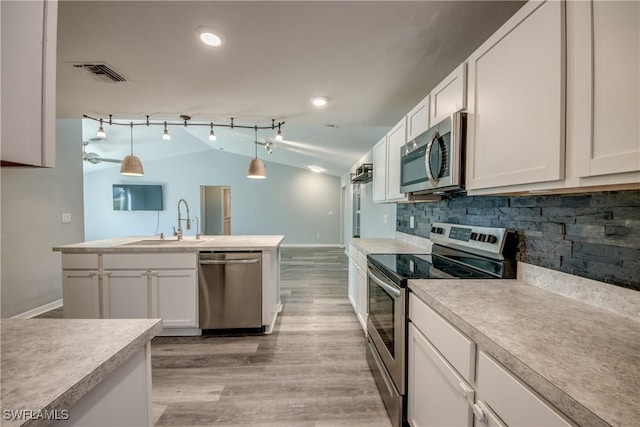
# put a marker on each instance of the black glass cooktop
(403, 267)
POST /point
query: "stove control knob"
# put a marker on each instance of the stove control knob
(482, 237)
(491, 238)
(440, 230)
(433, 229)
(474, 236)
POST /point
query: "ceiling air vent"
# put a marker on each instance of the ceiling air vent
(100, 71)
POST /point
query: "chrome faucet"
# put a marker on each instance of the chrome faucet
(198, 234)
(178, 232)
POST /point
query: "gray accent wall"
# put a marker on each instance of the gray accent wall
(593, 235)
(291, 201)
(33, 201)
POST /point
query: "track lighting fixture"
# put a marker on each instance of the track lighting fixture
(256, 166)
(185, 123)
(101, 133)
(165, 134)
(267, 146)
(212, 135)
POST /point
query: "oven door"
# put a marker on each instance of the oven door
(386, 324)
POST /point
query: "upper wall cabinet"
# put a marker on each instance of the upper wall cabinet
(449, 96)
(386, 165)
(603, 92)
(28, 82)
(418, 119)
(516, 101)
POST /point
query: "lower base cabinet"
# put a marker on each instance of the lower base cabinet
(358, 284)
(132, 286)
(443, 392)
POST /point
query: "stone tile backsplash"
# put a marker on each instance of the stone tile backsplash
(593, 235)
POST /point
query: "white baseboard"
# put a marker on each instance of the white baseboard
(311, 245)
(39, 310)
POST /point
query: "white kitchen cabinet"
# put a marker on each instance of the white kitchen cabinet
(603, 92)
(437, 394)
(380, 171)
(449, 96)
(174, 297)
(160, 285)
(516, 102)
(443, 371)
(512, 401)
(28, 34)
(386, 165)
(418, 119)
(81, 286)
(358, 284)
(125, 294)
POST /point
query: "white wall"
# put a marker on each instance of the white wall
(33, 201)
(291, 201)
(373, 215)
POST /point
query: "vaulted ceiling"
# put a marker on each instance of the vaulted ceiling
(373, 60)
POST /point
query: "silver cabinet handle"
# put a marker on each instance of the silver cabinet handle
(480, 413)
(231, 261)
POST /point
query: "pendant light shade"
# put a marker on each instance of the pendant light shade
(256, 166)
(256, 169)
(131, 165)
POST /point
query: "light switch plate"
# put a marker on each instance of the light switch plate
(66, 217)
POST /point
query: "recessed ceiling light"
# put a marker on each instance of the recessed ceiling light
(316, 169)
(319, 101)
(210, 39)
(208, 36)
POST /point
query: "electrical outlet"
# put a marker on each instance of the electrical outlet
(330, 213)
(318, 236)
(385, 219)
(66, 217)
(412, 222)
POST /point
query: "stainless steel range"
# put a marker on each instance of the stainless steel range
(459, 252)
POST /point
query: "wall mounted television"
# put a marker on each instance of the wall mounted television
(128, 197)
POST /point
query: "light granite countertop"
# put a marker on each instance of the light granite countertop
(387, 246)
(48, 364)
(147, 244)
(582, 359)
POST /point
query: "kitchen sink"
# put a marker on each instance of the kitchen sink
(166, 242)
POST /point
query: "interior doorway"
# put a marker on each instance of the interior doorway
(215, 209)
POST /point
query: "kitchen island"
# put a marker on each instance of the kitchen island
(150, 277)
(77, 371)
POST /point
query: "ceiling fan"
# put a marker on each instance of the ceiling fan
(94, 158)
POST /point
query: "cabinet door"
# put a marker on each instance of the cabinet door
(418, 119)
(511, 400)
(437, 395)
(380, 171)
(516, 101)
(174, 297)
(28, 82)
(603, 92)
(80, 294)
(352, 282)
(362, 296)
(450, 95)
(125, 294)
(396, 139)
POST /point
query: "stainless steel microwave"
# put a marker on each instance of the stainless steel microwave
(434, 161)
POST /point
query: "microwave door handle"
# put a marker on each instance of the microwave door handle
(427, 163)
(393, 292)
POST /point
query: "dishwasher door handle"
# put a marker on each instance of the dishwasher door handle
(229, 261)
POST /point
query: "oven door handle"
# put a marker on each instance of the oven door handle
(392, 291)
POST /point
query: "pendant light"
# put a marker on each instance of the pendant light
(131, 165)
(256, 167)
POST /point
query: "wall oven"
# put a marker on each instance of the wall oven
(459, 252)
(434, 161)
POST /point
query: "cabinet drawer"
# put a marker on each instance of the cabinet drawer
(359, 257)
(514, 403)
(450, 342)
(79, 261)
(149, 261)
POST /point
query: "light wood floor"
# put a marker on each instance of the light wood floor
(311, 372)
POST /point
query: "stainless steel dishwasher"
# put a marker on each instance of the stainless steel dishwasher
(230, 290)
